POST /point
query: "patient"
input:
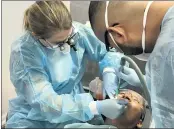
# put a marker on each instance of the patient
(131, 118)
(135, 112)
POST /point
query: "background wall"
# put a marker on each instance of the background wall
(83, 6)
(12, 16)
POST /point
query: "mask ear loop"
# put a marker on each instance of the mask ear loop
(144, 24)
(107, 25)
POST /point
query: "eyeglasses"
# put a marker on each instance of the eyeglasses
(69, 41)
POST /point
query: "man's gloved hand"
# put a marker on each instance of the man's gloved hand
(111, 108)
(129, 75)
(111, 59)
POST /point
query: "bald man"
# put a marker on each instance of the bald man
(135, 113)
(133, 116)
(146, 30)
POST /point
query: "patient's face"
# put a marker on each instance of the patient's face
(131, 117)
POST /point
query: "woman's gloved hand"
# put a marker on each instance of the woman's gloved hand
(129, 75)
(110, 108)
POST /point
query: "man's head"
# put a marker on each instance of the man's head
(135, 111)
(125, 20)
(134, 114)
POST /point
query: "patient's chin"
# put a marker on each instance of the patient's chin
(135, 108)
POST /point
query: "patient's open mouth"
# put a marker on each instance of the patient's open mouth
(128, 96)
(132, 116)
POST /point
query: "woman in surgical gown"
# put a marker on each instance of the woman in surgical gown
(46, 71)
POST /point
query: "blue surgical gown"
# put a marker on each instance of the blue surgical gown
(48, 83)
(160, 74)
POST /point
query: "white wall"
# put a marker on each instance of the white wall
(12, 17)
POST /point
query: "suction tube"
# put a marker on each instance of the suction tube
(141, 77)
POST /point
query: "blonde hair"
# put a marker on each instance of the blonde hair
(46, 17)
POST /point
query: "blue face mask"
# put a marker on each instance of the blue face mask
(144, 56)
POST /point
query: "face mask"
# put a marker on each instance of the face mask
(64, 49)
(47, 44)
(144, 56)
(53, 47)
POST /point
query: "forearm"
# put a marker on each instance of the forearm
(54, 107)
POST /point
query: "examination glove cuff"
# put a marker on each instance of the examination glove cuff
(93, 108)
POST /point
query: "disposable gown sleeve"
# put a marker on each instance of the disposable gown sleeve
(28, 74)
(96, 50)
